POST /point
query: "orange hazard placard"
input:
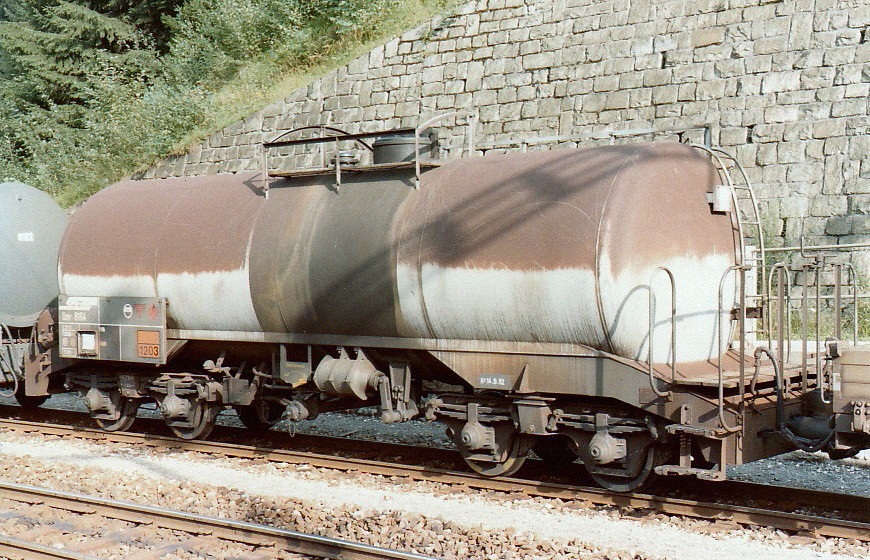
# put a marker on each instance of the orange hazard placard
(148, 344)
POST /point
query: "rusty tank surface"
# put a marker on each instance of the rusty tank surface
(556, 246)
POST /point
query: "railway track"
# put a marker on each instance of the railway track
(60, 525)
(107, 528)
(807, 512)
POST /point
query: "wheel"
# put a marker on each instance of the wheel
(627, 480)
(261, 415)
(510, 454)
(509, 464)
(27, 401)
(127, 409)
(199, 424)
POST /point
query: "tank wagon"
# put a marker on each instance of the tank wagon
(579, 302)
(31, 228)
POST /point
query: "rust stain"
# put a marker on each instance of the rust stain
(179, 225)
(545, 210)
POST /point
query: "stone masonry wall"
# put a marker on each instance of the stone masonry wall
(785, 85)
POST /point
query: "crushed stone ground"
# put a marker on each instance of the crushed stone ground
(344, 502)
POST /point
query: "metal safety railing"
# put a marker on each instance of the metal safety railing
(329, 135)
(784, 279)
(650, 336)
(422, 127)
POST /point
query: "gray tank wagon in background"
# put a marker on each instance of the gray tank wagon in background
(31, 228)
(590, 304)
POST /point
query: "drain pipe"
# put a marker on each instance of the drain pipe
(804, 444)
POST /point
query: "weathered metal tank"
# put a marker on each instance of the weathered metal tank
(556, 246)
(31, 227)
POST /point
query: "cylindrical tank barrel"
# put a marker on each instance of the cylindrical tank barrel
(31, 227)
(555, 246)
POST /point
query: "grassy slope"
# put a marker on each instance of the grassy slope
(262, 83)
(135, 142)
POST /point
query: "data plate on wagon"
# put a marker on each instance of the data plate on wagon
(116, 328)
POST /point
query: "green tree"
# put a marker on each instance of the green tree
(54, 56)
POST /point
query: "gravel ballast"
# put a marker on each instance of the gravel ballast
(422, 517)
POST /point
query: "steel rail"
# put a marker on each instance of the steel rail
(11, 547)
(784, 520)
(251, 534)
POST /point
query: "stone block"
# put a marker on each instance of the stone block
(526, 93)
(781, 114)
(507, 94)
(732, 136)
(859, 204)
(765, 154)
(849, 107)
(630, 80)
(619, 100)
(860, 224)
(707, 37)
(834, 93)
(528, 47)
(814, 78)
(605, 83)
(474, 76)
(800, 31)
(794, 207)
(839, 225)
(758, 64)
(828, 128)
(770, 45)
(729, 67)
(541, 60)
(848, 74)
(839, 56)
(861, 91)
(807, 59)
(664, 94)
(529, 111)
(780, 81)
(657, 77)
(711, 89)
(434, 73)
(806, 177)
(686, 92)
(797, 131)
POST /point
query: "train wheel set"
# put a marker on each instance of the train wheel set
(586, 305)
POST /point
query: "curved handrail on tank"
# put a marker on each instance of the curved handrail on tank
(472, 125)
(762, 250)
(652, 299)
(721, 382)
(730, 183)
(321, 128)
(715, 152)
(341, 135)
